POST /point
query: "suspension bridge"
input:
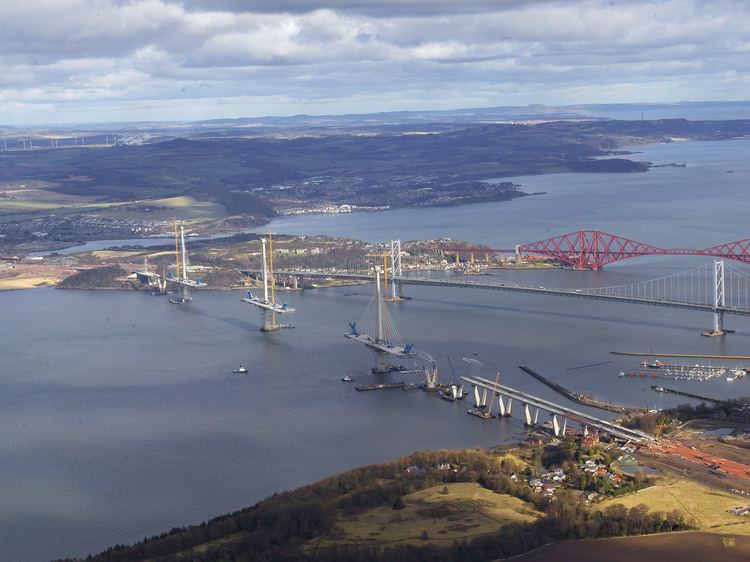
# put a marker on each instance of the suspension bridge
(718, 288)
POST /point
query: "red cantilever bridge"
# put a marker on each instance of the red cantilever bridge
(593, 249)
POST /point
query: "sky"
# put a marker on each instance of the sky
(66, 61)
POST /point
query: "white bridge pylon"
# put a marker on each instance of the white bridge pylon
(386, 338)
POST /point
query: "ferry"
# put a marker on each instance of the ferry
(240, 371)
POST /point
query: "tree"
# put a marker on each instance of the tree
(399, 503)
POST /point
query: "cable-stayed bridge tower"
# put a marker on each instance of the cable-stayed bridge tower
(386, 341)
(267, 304)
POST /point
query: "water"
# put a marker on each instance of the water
(702, 204)
(121, 417)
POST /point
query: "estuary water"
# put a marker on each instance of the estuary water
(121, 417)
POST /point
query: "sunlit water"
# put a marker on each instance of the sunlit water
(121, 417)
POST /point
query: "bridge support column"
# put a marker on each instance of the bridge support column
(564, 427)
(510, 402)
(536, 416)
(719, 300)
(501, 411)
(527, 414)
(476, 396)
(556, 425)
(585, 431)
(484, 398)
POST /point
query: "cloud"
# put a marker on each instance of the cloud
(112, 58)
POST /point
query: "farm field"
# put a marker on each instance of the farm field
(466, 511)
(705, 507)
(672, 547)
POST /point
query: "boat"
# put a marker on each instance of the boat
(480, 412)
(381, 386)
(622, 374)
(731, 379)
(655, 365)
(179, 300)
(658, 388)
(240, 370)
(347, 378)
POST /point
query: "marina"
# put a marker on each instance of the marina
(683, 372)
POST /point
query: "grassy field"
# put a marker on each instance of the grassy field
(182, 207)
(705, 506)
(14, 283)
(467, 510)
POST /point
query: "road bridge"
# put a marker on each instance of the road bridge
(533, 405)
(711, 288)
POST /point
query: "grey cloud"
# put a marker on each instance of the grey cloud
(297, 56)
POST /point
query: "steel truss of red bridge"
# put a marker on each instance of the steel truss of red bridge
(593, 249)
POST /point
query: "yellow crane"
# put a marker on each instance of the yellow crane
(661, 423)
(385, 257)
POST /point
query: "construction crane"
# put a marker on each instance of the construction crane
(385, 257)
(494, 392)
(661, 423)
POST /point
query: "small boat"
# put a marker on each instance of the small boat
(347, 378)
(622, 374)
(731, 379)
(240, 371)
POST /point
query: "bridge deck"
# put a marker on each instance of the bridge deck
(574, 293)
(553, 408)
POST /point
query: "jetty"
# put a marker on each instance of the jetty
(688, 394)
(577, 397)
(689, 355)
